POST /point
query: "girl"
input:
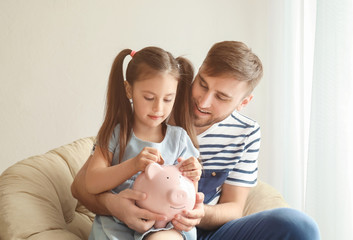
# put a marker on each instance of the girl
(134, 132)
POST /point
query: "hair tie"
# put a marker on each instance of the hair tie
(132, 53)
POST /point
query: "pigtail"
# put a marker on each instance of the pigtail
(118, 109)
(182, 111)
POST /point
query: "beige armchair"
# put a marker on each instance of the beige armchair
(36, 201)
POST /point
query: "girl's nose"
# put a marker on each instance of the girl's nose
(157, 106)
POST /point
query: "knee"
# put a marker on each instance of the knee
(292, 224)
(162, 235)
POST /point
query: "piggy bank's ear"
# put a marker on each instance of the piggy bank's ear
(152, 169)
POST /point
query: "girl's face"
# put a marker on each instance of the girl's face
(153, 98)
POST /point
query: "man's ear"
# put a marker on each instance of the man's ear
(128, 89)
(244, 102)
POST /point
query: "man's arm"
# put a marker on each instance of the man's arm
(121, 205)
(90, 201)
(230, 206)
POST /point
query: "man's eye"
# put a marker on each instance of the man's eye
(222, 98)
(203, 84)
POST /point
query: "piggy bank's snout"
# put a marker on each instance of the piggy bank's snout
(177, 197)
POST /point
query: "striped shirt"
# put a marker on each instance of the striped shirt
(229, 151)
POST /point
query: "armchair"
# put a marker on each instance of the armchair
(36, 201)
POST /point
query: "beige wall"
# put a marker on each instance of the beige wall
(55, 58)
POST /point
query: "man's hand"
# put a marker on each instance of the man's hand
(123, 207)
(186, 220)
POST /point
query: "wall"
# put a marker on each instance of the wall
(56, 57)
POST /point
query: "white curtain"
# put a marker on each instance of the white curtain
(329, 196)
(285, 129)
(308, 132)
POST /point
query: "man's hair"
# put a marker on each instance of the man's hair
(234, 59)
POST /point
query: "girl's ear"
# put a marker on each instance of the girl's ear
(128, 89)
(244, 102)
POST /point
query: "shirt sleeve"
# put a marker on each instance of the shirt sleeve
(245, 170)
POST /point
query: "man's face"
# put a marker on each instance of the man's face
(215, 98)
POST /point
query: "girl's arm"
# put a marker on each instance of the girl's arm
(101, 176)
(121, 205)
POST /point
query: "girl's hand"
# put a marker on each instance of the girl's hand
(146, 156)
(191, 168)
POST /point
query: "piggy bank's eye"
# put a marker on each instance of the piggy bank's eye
(167, 177)
(179, 176)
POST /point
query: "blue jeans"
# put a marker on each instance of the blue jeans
(279, 223)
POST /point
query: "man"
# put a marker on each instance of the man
(229, 145)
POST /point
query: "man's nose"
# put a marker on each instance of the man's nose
(205, 101)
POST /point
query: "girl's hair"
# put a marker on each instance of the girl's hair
(118, 110)
(235, 59)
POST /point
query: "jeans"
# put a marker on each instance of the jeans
(279, 223)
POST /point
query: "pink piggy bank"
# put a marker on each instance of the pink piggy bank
(168, 191)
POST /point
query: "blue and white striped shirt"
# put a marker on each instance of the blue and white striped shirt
(229, 151)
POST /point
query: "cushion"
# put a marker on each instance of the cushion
(36, 200)
(263, 197)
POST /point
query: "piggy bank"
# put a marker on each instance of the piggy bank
(168, 191)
